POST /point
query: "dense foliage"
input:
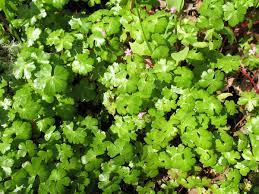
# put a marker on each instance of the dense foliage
(129, 96)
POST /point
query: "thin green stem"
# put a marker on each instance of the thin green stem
(180, 12)
(144, 35)
(10, 26)
(170, 19)
(167, 27)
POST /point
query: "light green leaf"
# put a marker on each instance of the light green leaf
(83, 64)
(57, 3)
(32, 35)
(222, 97)
(27, 147)
(234, 14)
(51, 83)
(181, 55)
(140, 49)
(97, 38)
(231, 107)
(35, 167)
(200, 44)
(52, 134)
(2, 5)
(184, 77)
(249, 99)
(252, 125)
(65, 151)
(25, 104)
(74, 136)
(228, 63)
(160, 52)
(6, 164)
(61, 40)
(212, 80)
(23, 69)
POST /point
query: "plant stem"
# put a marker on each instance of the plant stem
(170, 19)
(167, 27)
(144, 35)
(10, 27)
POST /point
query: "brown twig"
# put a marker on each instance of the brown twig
(240, 122)
(251, 79)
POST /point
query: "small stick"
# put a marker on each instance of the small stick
(245, 73)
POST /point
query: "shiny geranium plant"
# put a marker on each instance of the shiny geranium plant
(129, 96)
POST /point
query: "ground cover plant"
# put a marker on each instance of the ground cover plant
(139, 96)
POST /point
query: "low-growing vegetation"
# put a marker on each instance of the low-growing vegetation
(139, 96)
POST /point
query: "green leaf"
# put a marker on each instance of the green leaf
(184, 77)
(140, 49)
(223, 96)
(57, 181)
(211, 14)
(97, 38)
(219, 121)
(91, 3)
(246, 166)
(177, 157)
(22, 130)
(234, 14)
(156, 23)
(231, 107)
(23, 69)
(19, 178)
(5, 145)
(232, 156)
(2, 5)
(6, 164)
(52, 134)
(64, 151)
(26, 104)
(211, 80)
(33, 34)
(80, 24)
(118, 147)
(181, 55)
(228, 63)
(45, 123)
(65, 108)
(249, 99)
(57, 3)
(163, 70)
(255, 146)
(35, 167)
(224, 143)
(90, 123)
(112, 25)
(209, 105)
(51, 83)
(128, 104)
(57, 175)
(207, 157)
(61, 40)
(199, 137)
(252, 125)
(45, 155)
(27, 147)
(160, 52)
(82, 64)
(200, 44)
(74, 136)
